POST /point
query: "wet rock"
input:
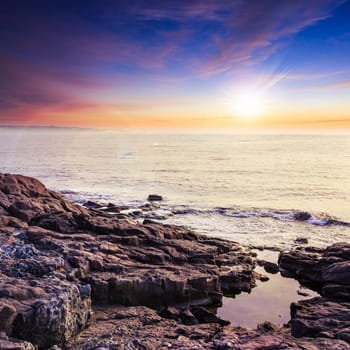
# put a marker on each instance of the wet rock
(167, 288)
(171, 313)
(302, 216)
(269, 267)
(234, 274)
(301, 240)
(188, 318)
(303, 293)
(92, 205)
(154, 198)
(264, 278)
(267, 327)
(205, 316)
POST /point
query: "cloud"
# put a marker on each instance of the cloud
(339, 84)
(257, 29)
(151, 34)
(29, 85)
(327, 121)
(182, 11)
(57, 53)
(301, 76)
(332, 85)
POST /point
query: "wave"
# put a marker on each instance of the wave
(317, 219)
(164, 210)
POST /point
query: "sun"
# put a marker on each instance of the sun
(248, 104)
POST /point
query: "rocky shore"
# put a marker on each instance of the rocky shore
(79, 278)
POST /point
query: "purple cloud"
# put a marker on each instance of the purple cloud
(54, 55)
(257, 29)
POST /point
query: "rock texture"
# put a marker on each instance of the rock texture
(321, 317)
(327, 271)
(271, 338)
(58, 258)
(93, 278)
(141, 328)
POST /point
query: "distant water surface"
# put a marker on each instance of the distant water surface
(241, 187)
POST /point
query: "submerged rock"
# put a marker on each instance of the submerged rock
(301, 240)
(154, 198)
(302, 216)
(268, 266)
(92, 205)
(204, 316)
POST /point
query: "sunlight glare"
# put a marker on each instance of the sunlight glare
(248, 104)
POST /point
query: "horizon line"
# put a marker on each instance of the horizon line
(187, 130)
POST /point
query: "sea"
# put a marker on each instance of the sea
(247, 188)
(242, 187)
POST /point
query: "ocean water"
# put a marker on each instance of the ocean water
(245, 188)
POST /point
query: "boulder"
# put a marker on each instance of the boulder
(301, 216)
(269, 267)
(205, 316)
(154, 198)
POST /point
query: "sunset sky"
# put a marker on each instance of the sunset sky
(175, 64)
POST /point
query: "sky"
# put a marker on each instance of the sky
(223, 64)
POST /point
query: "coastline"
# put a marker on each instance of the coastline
(77, 278)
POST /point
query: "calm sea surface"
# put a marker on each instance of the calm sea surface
(241, 187)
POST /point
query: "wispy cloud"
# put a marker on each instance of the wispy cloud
(55, 53)
(306, 76)
(257, 29)
(182, 11)
(332, 85)
(327, 121)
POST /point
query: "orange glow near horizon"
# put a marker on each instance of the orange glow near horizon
(266, 112)
(209, 119)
